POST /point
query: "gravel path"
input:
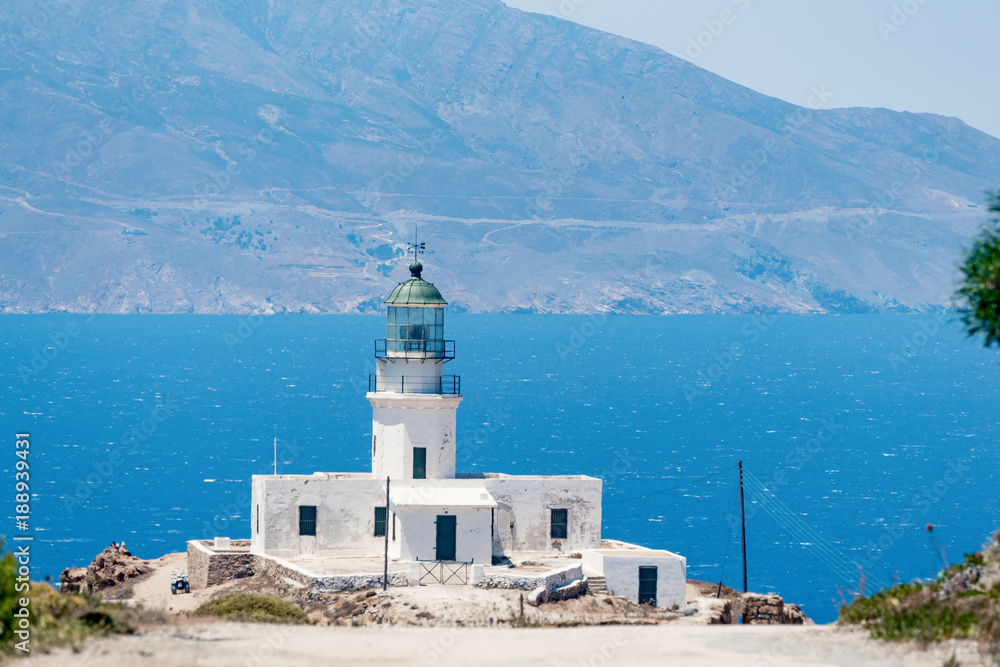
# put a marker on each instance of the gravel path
(223, 644)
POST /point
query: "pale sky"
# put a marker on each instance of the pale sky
(909, 55)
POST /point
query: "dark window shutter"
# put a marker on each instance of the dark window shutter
(560, 524)
(419, 463)
(307, 520)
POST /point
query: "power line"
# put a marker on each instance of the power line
(808, 530)
(826, 552)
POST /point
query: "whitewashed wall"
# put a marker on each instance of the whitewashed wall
(401, 422)
(346, 516)
(524, 507)
(417, 534)
(621, 572)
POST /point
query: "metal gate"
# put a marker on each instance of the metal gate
(647, 585)
(443, 572)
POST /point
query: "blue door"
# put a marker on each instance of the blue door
(647, 585)
(445, 537)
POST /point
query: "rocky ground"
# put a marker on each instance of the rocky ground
(114, 569)
(418, 606)
(461, 625)
(147, 583)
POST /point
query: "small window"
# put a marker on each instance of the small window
(258, 518)
(559, 524)
(393, 526)
(307, 520)
(379, 522)
(419, 463)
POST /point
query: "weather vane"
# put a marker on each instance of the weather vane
(416, 248)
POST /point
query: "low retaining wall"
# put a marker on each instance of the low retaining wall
(353, 582)
(282, 569)
(207, 567)
(530, 582)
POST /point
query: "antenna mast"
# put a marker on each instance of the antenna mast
(416, 248)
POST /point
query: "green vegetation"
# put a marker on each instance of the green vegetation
(979, 294)
(964, 602)
(8, 595)
(59, 620)
(248, 607)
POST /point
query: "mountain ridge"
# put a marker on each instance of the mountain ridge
(274, 157)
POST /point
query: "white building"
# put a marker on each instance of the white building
(432, 512)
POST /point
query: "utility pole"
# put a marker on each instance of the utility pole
(743, 530)
(275, 455)
(385, 572)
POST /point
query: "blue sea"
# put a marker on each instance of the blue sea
(855, 431)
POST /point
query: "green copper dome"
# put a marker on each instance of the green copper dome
(416, 291)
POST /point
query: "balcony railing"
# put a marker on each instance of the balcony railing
(415, 384)
(414, 349)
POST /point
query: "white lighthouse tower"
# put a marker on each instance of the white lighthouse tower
(429, 516)
(413, 401)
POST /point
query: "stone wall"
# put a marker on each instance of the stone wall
(207, 567)
(530, 582)
(761, 610)
(281, 569)
(354, 582)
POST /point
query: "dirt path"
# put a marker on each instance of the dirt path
(154, 591)
(222, 644)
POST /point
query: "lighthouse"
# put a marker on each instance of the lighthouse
(430, 513)
(414, 403)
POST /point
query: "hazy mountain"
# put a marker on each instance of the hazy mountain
(246, 155)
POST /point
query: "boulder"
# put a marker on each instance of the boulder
(573, 589)
(538, 596)
(72, 580)
(109, 568)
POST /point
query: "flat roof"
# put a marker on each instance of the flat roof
(459, 476)
(436, 496)
(636, 553)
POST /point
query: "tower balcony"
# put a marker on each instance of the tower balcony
(388, 349)
(415, 384)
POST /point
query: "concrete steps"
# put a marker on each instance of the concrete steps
(597, 585)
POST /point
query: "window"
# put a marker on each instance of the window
(258, 518)
(307, 520)
(393, 526)
(419, 463)
(559, 524)
(415, 329)
(379, 522)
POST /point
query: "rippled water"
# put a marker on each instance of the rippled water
(865, 428)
